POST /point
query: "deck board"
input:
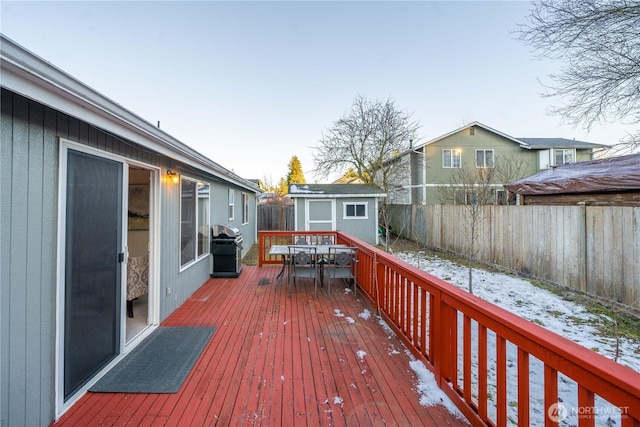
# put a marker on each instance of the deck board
(277, 360)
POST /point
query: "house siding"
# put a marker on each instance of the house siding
(428, 174)
(29, 156)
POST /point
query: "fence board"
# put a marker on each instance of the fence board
(276, 217)
(595, 249)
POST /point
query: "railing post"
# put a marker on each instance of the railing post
(260, 249)
(443, 340)
(380, 284)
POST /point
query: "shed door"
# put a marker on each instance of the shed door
(320, 215)
(92, 268)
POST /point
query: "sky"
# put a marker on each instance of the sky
(251, 84)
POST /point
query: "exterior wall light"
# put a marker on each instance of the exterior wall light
(174, 177)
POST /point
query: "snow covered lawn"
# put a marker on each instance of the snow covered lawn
(547, 309)
(566, 318)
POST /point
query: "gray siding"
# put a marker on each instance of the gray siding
(29, 135)
(363, 229)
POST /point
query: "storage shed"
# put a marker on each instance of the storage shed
(352, 208)
(613, 181)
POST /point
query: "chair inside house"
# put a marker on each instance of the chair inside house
(303, 264)
(137, 280)
(341, 265)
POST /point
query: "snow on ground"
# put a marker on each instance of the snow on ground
(540, 306)
(545, 308)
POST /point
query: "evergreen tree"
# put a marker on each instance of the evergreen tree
(295, 174)
(283, 188)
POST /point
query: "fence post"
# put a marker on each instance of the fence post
(583, 247)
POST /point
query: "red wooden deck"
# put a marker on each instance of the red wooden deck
(277, 361)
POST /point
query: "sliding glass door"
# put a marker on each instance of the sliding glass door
(92, 266)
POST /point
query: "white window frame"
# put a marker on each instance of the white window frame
(204, 222)
(484, 158)
(355, 210)
(453, 154)
(231, 204)
(564, 152)
(200, 223)
(245, 208)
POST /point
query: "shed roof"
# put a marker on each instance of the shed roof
(334, 190)
(612, 174)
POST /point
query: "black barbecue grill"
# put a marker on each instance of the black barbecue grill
(226, 251)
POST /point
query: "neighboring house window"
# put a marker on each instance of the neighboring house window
(451, 158)
(460, 197)
(194, 220)
(502, 197)
(231, 204)
(484, 158)
(245, 208)
(562, 156)
(355, 210)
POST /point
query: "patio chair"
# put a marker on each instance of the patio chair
(326, 240)
(303, 264)
(341, 265)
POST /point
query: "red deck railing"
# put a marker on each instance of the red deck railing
(498, 368)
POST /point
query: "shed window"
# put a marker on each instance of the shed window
(355, 210)
(194, 220)
(451, 158)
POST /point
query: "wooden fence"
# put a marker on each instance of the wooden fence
(275, 217)
(593, 249)
(498, 368)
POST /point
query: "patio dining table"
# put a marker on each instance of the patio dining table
(321, 250)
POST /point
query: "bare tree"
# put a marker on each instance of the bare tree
(598, 41)
(474, 188)
(363, 139)
(366, 139)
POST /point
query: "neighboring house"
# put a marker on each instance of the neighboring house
(428, 167)
(613, 181)
(352, 208)
(87, 184)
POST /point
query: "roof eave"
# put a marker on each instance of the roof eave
(31, 76)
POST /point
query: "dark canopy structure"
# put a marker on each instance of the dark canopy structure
(600, 178)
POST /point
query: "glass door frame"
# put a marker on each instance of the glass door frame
(154, 298)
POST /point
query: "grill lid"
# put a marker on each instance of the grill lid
(222, 231)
